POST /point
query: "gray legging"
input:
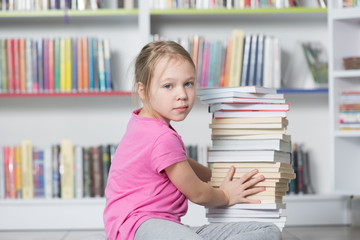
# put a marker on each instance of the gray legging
(159, 229)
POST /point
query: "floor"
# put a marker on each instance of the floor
(289, 233)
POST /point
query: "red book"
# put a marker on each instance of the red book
(9, 166)
(16, 65)
(51, 77)
(22, 65)
(79, 65)
(85, 61)
(96, 171)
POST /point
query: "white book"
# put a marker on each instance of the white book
(251, 144)
(247, 125)
(248, 156)
(258, 206)
(47, 173)
(242, 114)
(244, 215)
(280, 220)
(241, 100)
(268, 62)
(227, 210)
(254, 136)
(277, 63)
(243, 106)
(235, 94)
(244, 89)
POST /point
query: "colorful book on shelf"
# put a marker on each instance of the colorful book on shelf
(2, 172)
(67, 169)
(68, 65)
(48, 191)
(51, 75)
(62, 65)
(80, 76)
(78, 165)
(87, 179)
(38, 171)
(91, 63)
(200, 60)
(18, 183)
(74, 67)
(35, 64)
(16, 62)
(40, 64)
(29, 70)
(4, 76)
(244, 81)
(236, 57)
(107, 59)
(96, 171)
(27, 169)
(10, 63)
(102, 77)
(253, 59)
(55, 162)
(85, 62)
(46, 84)
(57, 67)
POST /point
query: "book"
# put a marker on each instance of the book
(268, 206)
(38, 171)
(235, 94)
(244, 106)
(87, 179)
(224, 212)
(247, 125)
(251, 144)
(67, 169)
(250, 165)
(107, 59)
(236, 57)
(236, 132)
(27, 169)
(18, 183)
(250, 114)
(216, 182)
(48, 173)
(246, 61)
(228, 90)
(254, 136)
(268, 62)
(260, 61)
(248, 156)
(266, 120)
(96, 171)
(91, 63)
(287, 175)
(55, 166)
(241, 100)
(78, 164)
(253, 59)
(260, 170)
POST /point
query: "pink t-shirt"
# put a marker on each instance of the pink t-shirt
(138, 188)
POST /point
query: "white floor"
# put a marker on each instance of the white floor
(289, 233)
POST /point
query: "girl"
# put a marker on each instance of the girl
(151, 179)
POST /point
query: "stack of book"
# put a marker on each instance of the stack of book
(248, 131)
(349, 115)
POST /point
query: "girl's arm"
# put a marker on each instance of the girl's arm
(230, 192)
(204, 173)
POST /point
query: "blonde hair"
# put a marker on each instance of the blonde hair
(150, 56)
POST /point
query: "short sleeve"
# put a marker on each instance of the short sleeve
(168, 149)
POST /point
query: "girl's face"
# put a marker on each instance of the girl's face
(172, 90)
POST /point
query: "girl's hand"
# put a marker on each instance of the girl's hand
(237, 190)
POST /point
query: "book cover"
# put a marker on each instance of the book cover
(68, 64)
(38, 171)
(235, 131)
(87, 179)
(254, 136)
(102, 77)
(236, 57)
(27, 169)
(251, 114)
(55, 166)
(260, 61)
(62, 65)
(257, 91)
(80, 77)
(67, 169)
(105, 151)
(240, 100)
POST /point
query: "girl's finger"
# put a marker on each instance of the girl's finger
(253, 181)
(248, 175)
(251, 191)
(230, 174)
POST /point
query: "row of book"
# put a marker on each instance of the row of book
(55, 65)
(242, 60)
(231, 4)
(60, 171)
(350, 3)
(248, 132)
(349, 112)
(44, 5)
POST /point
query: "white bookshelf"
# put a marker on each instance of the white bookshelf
(128, 31)
(344, 37)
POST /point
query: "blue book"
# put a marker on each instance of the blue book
(260, 61)
(253, 59)
(107, 58)
(91, 63)
(57, 64)
(246, 59)
(200, 59)
(35, 78)
(38, 168)
(96, 64)
(212, 66)
(74, 65)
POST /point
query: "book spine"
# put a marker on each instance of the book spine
(96, 171)
(80, 81)
(57, 57)
(102, 78)
(62, 65)
(87, 181)
(91, 64)
(18, 172)
(4, 76)
(16, 60)
(47, 173)
(55, 166)
(74, 65)
(85, 62)
(23, 65)
(67, 169)
(51, 75)
(35, 74)
(68, 65)
(105, 164)
(40, 64)
(9, 51)
(27, 169)
(96, 64)
(79, 172)
(29, 75)
(107, 58)
(46, 84)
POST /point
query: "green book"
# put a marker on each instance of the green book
(57, 65)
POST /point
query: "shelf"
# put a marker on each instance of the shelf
(296, 90)
(71, 13)
(70, 94)
(345, 14)
(225, 11)
(347, 133)
(347, 73)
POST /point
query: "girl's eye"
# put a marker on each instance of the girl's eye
(188, 84)
(168, 86)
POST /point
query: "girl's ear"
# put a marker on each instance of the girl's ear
(141, 90)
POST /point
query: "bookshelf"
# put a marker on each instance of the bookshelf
(93, 118)
(344, 145)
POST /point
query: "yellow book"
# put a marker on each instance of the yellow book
(236, 57)
(27, 169)
(18, 182)
(68, 64)
(62, 65)
(268, 184)
(250, 165)
(67, 169)
(286, 175)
